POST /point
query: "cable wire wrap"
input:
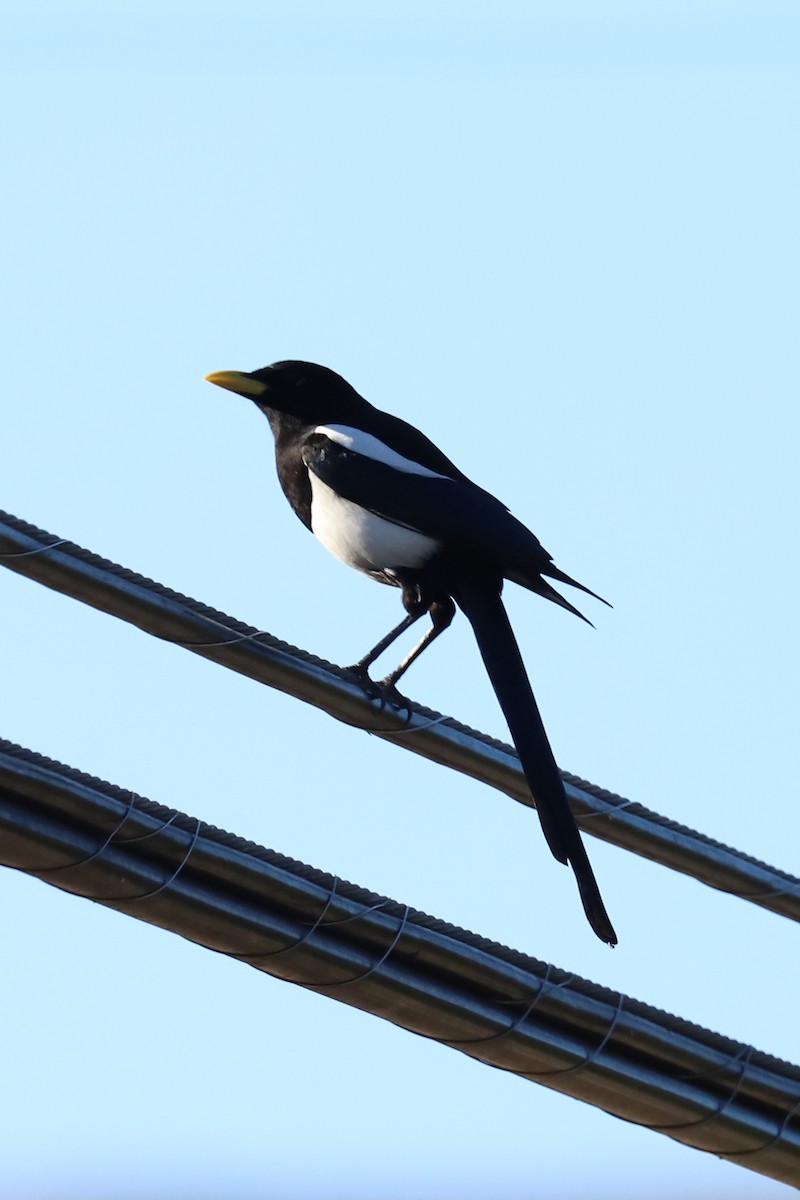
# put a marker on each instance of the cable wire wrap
(499, 1006)
(166, 614)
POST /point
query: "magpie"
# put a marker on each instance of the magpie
(384, 499)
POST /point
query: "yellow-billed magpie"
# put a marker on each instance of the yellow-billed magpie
(385, 500)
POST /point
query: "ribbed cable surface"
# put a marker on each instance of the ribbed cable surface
(493, 1003)
(167, 614)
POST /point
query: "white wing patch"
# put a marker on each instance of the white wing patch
(372, 447)
(361, 539)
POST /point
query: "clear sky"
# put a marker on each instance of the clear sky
(560, 237)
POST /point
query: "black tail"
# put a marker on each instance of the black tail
(535, 582)
(486, 614)
(555, 573)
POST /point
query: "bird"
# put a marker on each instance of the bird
(384, 499)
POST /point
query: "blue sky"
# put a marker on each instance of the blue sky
(562, 238)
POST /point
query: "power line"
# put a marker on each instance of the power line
(495, 1004)
(166, 614)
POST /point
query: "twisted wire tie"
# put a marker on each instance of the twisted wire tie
(36, 550)
(590, 1058)
(326, 986)
(545, 987)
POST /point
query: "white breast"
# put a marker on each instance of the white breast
(362, 540)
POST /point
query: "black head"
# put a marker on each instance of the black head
(314, 395)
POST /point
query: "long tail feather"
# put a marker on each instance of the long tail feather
(555, 572)
(486, 614)
(543, 588)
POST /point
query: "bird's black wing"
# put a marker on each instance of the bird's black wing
(476, 530)
(466, 519)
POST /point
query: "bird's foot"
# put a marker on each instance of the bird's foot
(392, 695)
(363, 677)
(383, 690)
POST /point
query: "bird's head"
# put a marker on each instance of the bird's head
(311, 394)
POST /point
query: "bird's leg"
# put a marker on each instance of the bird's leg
(363, 664)
(442, 613)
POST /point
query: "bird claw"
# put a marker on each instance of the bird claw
(383, 690)
(392, 696)
(363, 677)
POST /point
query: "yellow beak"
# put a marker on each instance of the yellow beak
(237, 381)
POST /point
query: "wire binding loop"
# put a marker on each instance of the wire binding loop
(326, 986)
(409, 730)
(45, 872)
(735, 1155)
(544, 988)
(234, 640)
(36, 550)
(305, 937)
(743, 1057)
(162, 887)
(608, 813)
(590, 1058)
